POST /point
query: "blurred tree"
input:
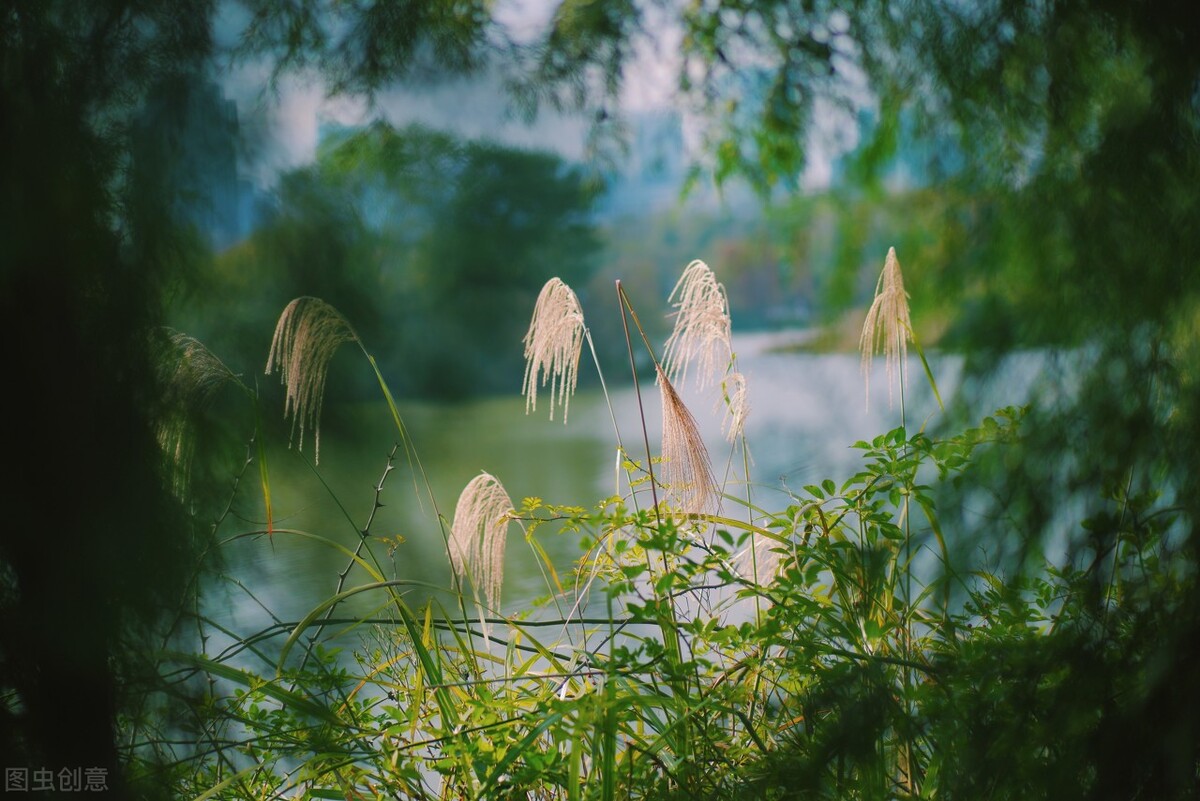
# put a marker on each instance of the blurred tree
(435, 248)
(93, 548)
(515, 220)
(316, 243)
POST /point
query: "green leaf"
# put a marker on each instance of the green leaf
(513, 753)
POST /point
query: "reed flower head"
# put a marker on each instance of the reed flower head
(197, 373)
(737, 405)
(191, 380)
(887, 325)
(687, 470)
(702, 327)
(307, 335)
(481, 520)
(760, 561)
(553, 345)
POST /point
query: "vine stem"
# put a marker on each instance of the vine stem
(364, 533)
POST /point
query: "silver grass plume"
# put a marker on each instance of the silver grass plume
(887, 324)
(760, 561)
(191, 380)
(476, 543)
(737, 405)
(553, 345)
(687, 470)
(307, 335)
(702, 327)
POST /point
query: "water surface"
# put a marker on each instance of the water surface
(806, 412)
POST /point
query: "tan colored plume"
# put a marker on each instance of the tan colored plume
(887, 326)
(760, 561)
(197, 374)
(737, 405)
(481, 520)
(686, 471)
(192, 378)
(702, 327)
(307, 335)
(553, 345)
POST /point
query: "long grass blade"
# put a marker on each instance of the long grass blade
(608, 744)
(215, 790)
(264, 474)
(912, 335)
(257, 683)
(516, 751)
(334, 600)
(372, 571)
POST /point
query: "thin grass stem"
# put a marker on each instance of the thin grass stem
(624, 304)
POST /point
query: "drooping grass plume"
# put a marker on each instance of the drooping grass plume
(702, 327)
(552, 346)
(687, 469)
(192, 378)
(197, 373)
(737, 405)
(307, 335)
(481, 520)
(887, 325)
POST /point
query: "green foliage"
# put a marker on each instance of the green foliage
(426, 241)
(361, 47)
(1077, 125)
(850, 645)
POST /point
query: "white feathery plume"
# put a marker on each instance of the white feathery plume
(737, 405)
(702, 327)
(307, 335)
(481, 520)
(887, 325)
(687, 470)
(553, 345)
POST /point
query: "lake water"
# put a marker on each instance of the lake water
(806, 412)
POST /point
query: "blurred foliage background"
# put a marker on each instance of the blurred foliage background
(1035, 164)
(433, 247)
